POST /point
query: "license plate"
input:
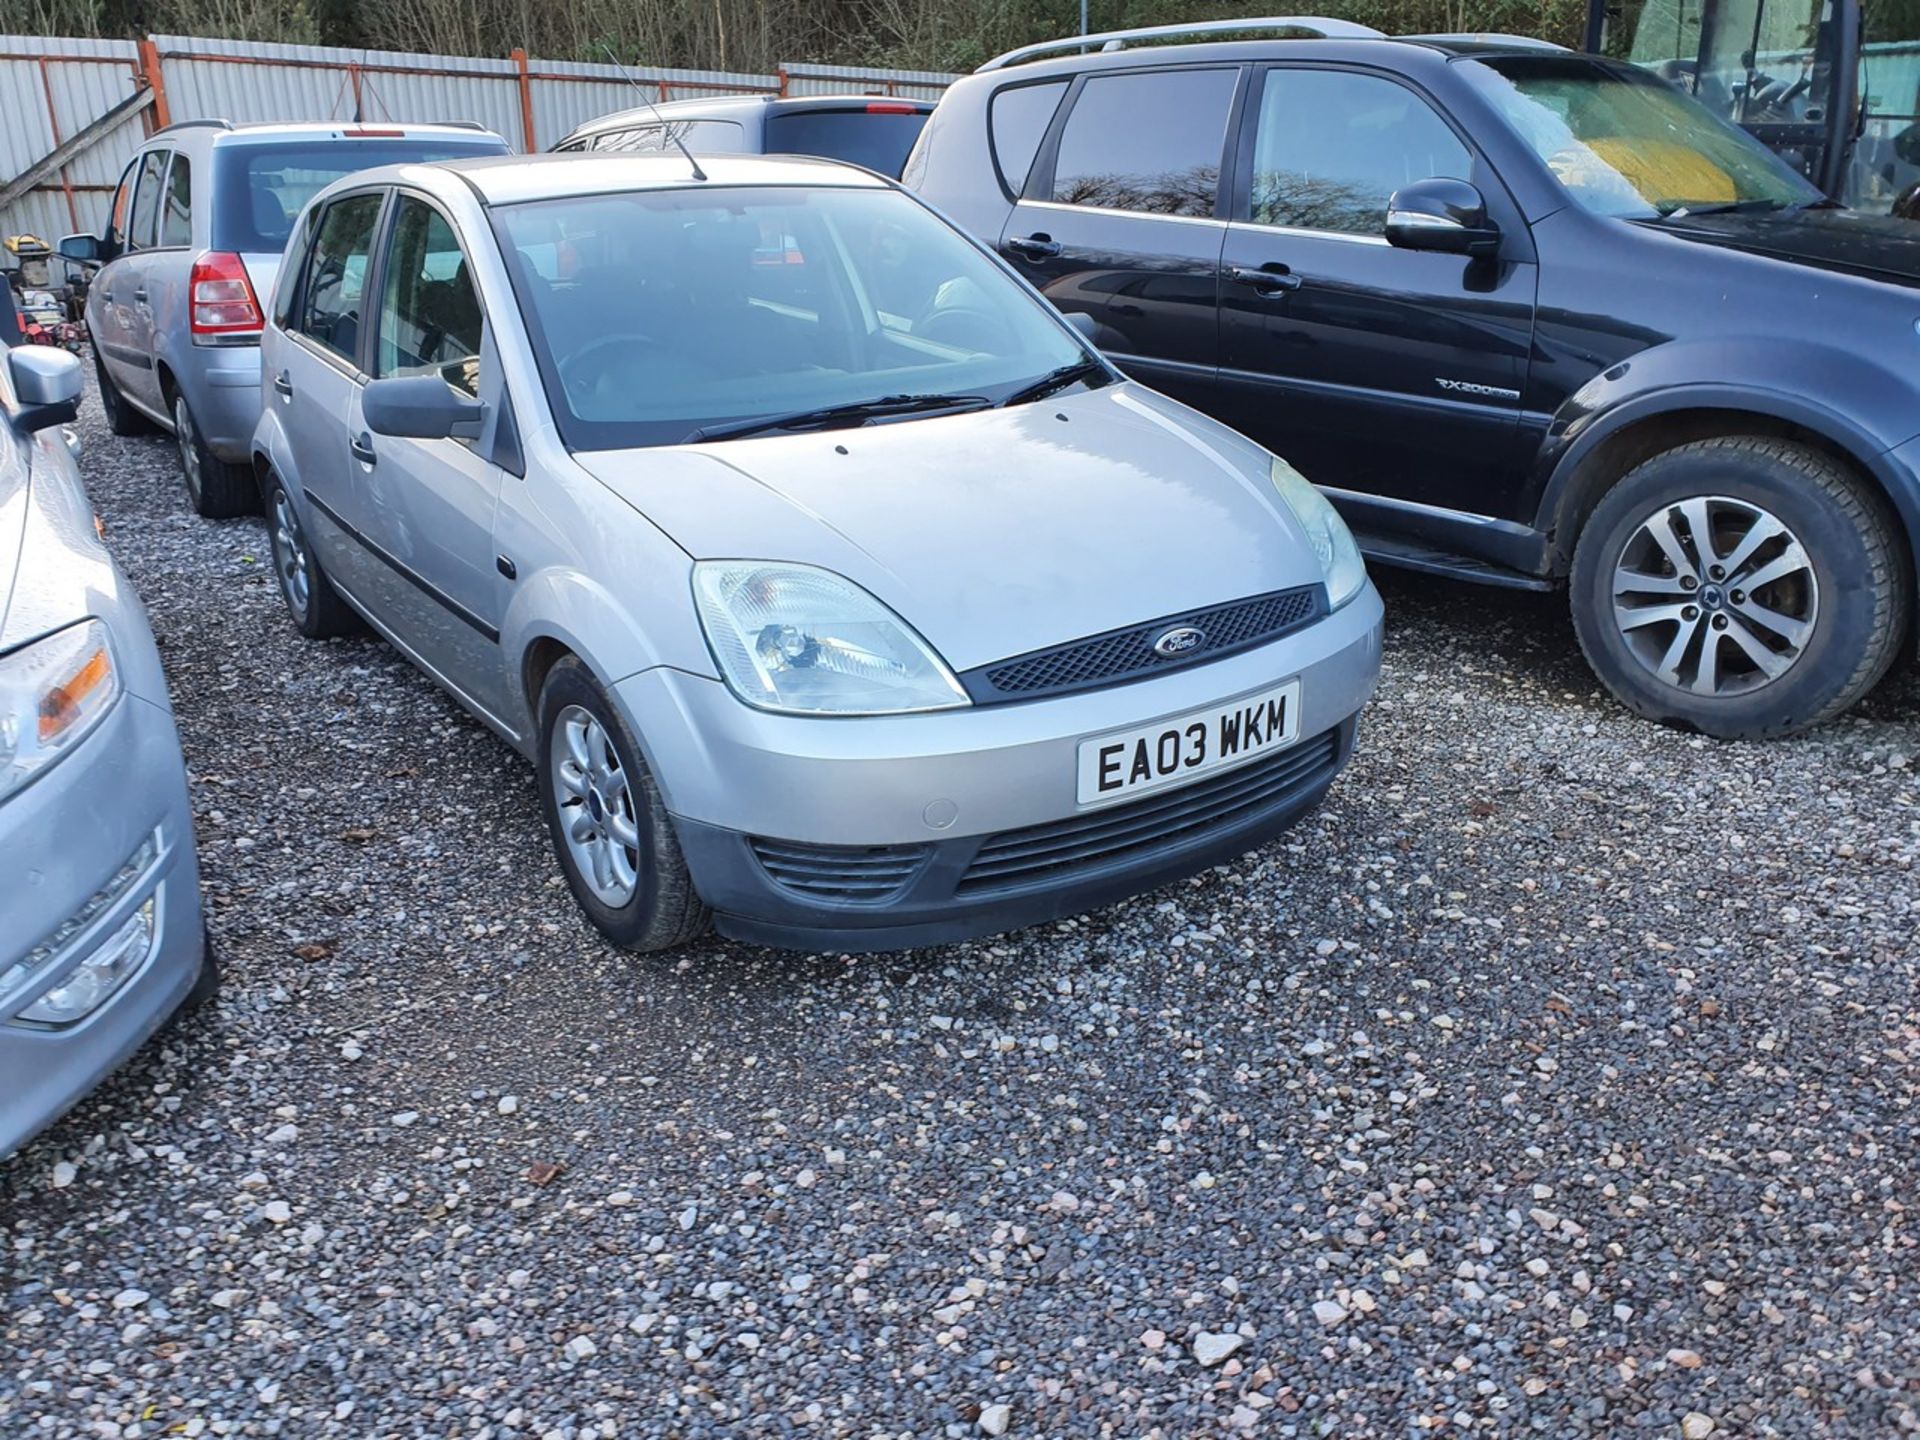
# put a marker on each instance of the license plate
(1172, 752)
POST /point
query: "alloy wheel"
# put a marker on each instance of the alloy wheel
(183, 434)
(291, 562)
(595, 803)
(1715, 596)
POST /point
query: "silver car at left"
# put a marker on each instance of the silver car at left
(101, 938)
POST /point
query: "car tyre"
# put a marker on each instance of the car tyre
(1792, 610)
(314, 606)
(122, 418)
(608, 821)
(219, 491)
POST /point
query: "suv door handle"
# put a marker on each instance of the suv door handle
(362, 447)
(140, 295)
(283, 384)
(1270, 279)
(1034, 247)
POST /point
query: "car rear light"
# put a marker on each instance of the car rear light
(221, 297)
(889, 107)
(365, 134)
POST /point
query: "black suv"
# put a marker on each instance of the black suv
(1530, 317)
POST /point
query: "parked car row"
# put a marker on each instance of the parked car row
(846, 594)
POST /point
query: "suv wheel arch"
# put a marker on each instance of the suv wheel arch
(1617, 445)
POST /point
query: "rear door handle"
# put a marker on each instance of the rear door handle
(140, 295)
(283, 384)
(1275, 279)
(1034, 247)
(362, 447)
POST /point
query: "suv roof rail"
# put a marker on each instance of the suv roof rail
(195, 125)
(1318, 26)
(1493, 37)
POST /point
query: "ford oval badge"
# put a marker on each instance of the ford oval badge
(1181, 640)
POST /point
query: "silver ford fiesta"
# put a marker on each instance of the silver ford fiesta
(843, 597)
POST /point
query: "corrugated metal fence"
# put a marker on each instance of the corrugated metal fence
(53, 90)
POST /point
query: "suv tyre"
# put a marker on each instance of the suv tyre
(609, 823)
(1744, 586)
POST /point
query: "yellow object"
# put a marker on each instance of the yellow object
(1663, 171)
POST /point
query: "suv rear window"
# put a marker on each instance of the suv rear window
(1148, 141)
(876, 135)
(259, 188)
(1019, 116)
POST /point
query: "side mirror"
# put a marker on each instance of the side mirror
(84, 249)
(46, 383)
(421, 407)
(1444, 215)
(1083, 322)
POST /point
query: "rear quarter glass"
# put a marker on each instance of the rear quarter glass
(260, 188)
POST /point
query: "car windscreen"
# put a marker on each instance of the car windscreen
(1627, 143)
(876, 135)
(260, 187)
(655, 314)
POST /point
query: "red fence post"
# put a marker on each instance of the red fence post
(526, 99)
(156, 82)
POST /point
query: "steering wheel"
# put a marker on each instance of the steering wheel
(580, 384)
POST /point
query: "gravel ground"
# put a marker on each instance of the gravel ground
(1558, 1077)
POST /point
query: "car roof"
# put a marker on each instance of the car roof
(512, 179)
(226, 132)
(722, 107)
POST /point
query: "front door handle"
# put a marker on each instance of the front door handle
(362, 447)
(284, 384)
(1034, 247)
(1270, 279)
(140, 295)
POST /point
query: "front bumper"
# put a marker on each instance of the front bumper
(62, 841)
(222, 386)
(950, 803)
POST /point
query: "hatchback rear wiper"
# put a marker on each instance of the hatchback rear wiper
(1054, 380)
(828, 417)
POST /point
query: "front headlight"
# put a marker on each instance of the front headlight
(1332, 542)
(53, 691)
(802, 640)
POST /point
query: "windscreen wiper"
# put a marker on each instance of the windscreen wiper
(1721, 207)
(830, 417)
(1054, 380)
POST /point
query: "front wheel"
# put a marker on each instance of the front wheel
(122, 418)
(610, 828)
(1744, 587)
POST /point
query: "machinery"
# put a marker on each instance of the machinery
(1833, 86)
(49, 314)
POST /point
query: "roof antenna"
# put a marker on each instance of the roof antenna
(666, 125)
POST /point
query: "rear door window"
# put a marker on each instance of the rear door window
(336, 279)
(145, 227)
(1148, 141)
(259, 187)
(1330, 146)
(176, 215)
(1017, 118)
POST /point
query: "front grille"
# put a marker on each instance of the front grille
(1129, 654)
(839, 872)
(1041, 852)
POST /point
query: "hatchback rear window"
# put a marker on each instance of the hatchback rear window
(876, 135)
(258, 189)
